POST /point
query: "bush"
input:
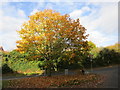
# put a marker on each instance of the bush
(15, 61)
(26, 67)
(6, 69)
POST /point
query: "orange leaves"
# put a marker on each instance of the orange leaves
(81, 42)
(20, 49)
(36, 56)
(48, 34)
(18, 41)
(72, 55)
(38, 38)
(22, 31)
(46, 28)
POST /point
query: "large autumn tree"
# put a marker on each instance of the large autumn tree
(48, 34)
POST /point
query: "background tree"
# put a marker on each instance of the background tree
(53, 37)
(115, 47)
(107, 57)
(93, 48)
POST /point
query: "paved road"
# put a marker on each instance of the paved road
(20, 77)
(110, 73)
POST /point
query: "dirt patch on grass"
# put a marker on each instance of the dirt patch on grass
(66, 81)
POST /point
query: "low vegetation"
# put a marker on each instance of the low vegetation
(14, 62)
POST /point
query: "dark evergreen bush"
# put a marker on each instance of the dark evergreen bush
(6, 69)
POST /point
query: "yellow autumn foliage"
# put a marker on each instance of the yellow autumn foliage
(45, 28)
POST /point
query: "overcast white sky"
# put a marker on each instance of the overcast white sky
(99, 18)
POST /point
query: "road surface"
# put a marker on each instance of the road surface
(110, 76)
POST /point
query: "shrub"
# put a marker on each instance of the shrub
(26, 67)
(6, 69)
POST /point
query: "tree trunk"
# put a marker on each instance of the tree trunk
(49, 72)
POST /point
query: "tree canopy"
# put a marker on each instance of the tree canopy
(48, 30)
(50, 35)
